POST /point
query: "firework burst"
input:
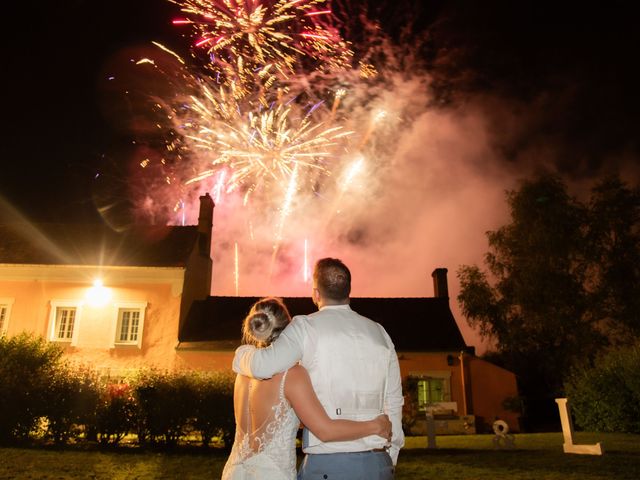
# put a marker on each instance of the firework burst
(260, 116)
(265, 32)
(267, 148)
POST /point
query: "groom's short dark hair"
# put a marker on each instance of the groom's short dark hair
(333, 279)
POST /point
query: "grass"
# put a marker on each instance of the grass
(535, 457)
(464, 457)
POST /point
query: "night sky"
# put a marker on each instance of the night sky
(514, 87)
(570, 69)
(55, 135)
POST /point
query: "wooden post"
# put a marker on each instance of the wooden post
(431, 431)
(465, 409)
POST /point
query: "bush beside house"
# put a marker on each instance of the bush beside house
(605, 396)
(43, 397)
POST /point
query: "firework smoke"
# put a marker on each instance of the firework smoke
(394, 195)
(355, 164)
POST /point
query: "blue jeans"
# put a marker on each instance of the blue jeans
(347, 466)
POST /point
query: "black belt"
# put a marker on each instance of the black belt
(373, 450)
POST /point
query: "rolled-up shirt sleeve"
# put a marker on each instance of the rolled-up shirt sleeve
(278, 357)
(393, 403)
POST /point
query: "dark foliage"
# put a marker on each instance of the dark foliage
(605, 396)
(213, 415)
(27, 366)
(71, 401)
(565, 283)
(115, 413)
(42, 394)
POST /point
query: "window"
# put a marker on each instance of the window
(64, 319)
(129, 324)
(5, 311)
(430, 390)
(4, 318)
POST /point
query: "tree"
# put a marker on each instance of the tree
(614, 251)
(553, 267)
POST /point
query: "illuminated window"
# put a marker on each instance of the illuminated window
(430, 391)
(64, 321)
(433, 389)
(129, 324)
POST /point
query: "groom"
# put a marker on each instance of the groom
(354, 370)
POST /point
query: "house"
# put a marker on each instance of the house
(441, 374)
(119, 301)
(112, 300)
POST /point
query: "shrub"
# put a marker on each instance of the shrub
(606, 397)
(27, 364)
(410, 410)
(40, 392)
(213, 415)
(166, 403)
(72, 398)
(115, 413)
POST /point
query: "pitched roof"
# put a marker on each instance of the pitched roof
(95, 244)
(414, 324)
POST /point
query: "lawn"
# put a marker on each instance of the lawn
(535, 457)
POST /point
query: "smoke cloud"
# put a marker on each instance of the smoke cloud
(432, 183)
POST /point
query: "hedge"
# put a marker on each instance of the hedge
(43, 397)
(27, 366)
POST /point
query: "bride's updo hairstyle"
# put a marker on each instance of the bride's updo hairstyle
(267, 318)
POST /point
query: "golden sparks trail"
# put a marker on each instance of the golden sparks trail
(265, 148)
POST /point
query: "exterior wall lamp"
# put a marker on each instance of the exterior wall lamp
(98, 295)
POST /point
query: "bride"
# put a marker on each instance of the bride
(268, 412)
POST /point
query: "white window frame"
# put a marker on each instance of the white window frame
(5, 314)
(53, 314)
(115, 336)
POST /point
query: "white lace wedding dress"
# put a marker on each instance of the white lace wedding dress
(268, 451)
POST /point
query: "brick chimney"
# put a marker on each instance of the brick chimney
(440, 287)
(205, 224)
(197, 276)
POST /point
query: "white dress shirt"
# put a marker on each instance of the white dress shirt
(353, 368)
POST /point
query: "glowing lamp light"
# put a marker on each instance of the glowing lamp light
(98, 295)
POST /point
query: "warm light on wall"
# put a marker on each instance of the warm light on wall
(98, 295)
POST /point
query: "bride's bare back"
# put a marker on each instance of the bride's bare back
(255, 404)
(266, 425)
